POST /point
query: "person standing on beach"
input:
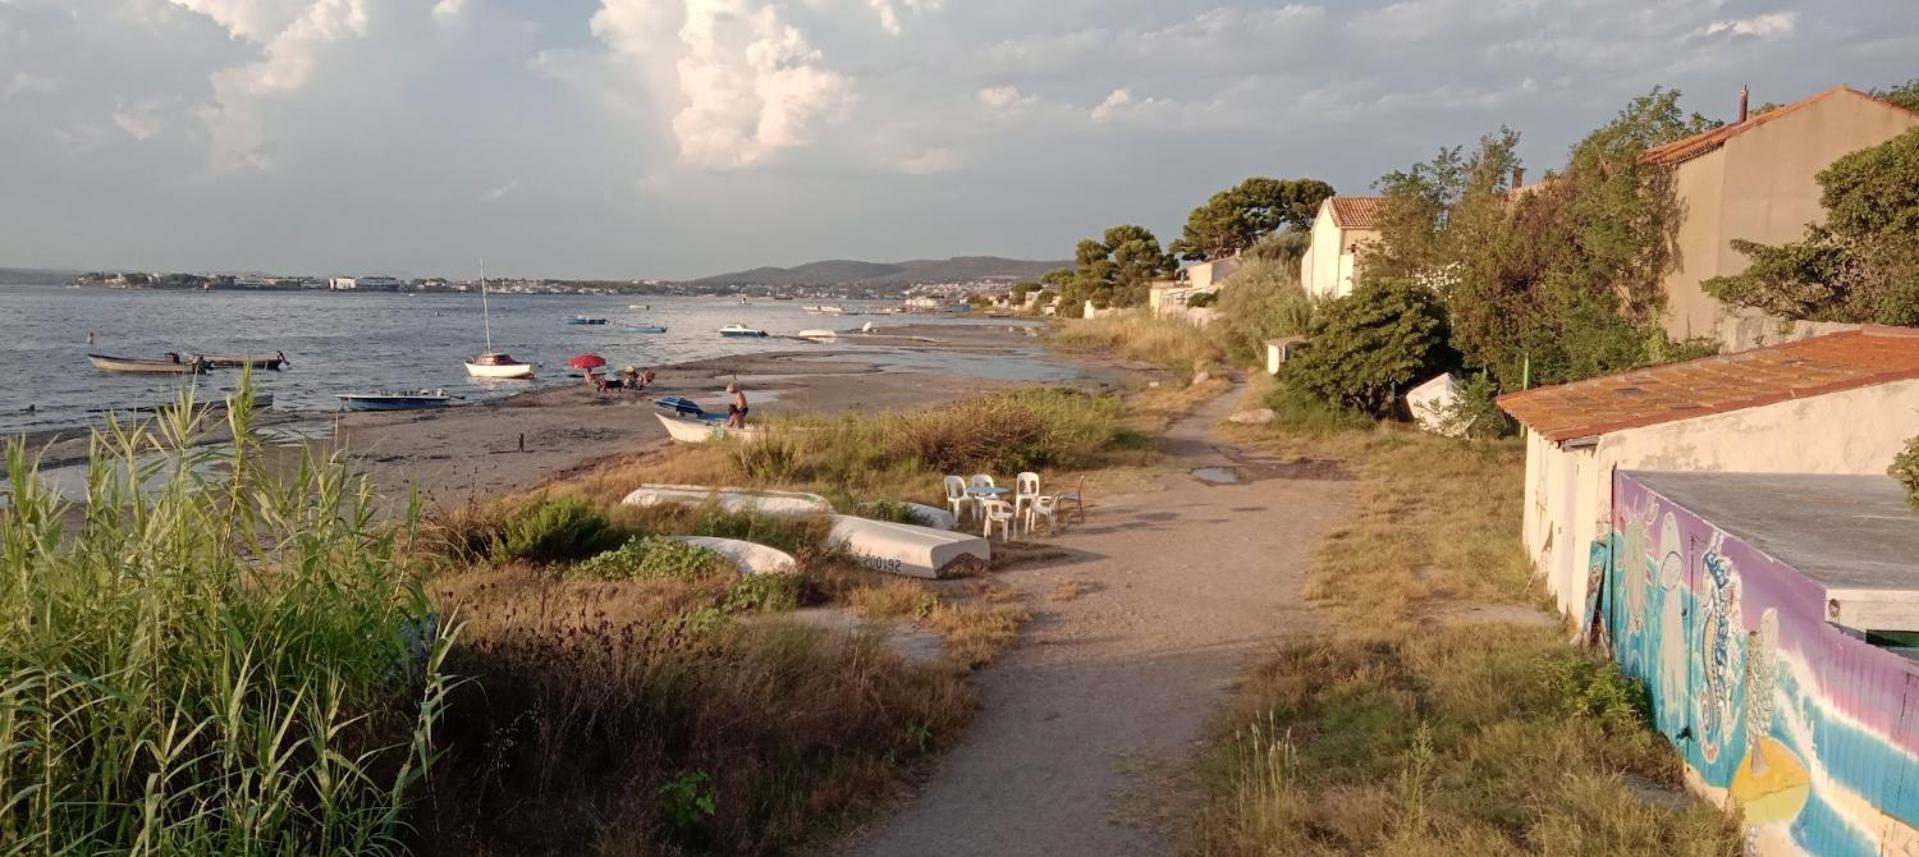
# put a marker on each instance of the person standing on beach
(736, 409)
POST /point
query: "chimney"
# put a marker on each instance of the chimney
(1519, 177)
(1744, 95)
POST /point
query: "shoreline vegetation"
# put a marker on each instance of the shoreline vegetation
(539, 675)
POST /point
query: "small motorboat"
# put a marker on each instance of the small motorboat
(583, 319)
(687, 422)
(740, 330)
(498, 365)
(810, 308)
(171, 364)
(639, 306)
(275, 361)
(644, 328)
(413, 400)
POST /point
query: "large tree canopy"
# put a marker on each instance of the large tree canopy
(1236, 218)
(1118, 268)
(1862, 264)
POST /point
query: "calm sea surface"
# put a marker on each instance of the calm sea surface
(340, 342)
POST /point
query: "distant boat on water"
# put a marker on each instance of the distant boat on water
(581, 319)
(171, 364)
(274, 361)
(740, 330)
(397, 401)
(644, 328)
(494, 364)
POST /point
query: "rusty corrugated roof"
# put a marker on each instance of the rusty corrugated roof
(1713, 385)
(1680, 151)
(1356, 212)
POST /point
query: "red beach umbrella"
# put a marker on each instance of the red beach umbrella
(587, 361)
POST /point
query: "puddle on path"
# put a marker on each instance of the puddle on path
(1216, 475)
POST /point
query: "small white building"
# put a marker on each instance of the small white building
(1331, 265)
(1842, 403)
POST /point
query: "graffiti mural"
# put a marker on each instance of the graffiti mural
(1802, 726)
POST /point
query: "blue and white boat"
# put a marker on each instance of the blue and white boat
(687, 422)
(740, 330)
(644, 328)
(411, 400)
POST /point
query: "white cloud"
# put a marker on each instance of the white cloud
(495, 194)
(23, 83)
(1766, 26)
(748, 83)
(289, 56)
(889, 11)
(141, 120)
(929, 162)
(1115, 101)
(450, 11)
(1005, 98)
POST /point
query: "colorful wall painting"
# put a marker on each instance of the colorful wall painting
(1810, 731)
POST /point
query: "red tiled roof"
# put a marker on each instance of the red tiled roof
(1713, 385)
(1680, 151)
(1356, 212)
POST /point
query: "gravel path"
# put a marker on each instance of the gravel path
(1110, 689)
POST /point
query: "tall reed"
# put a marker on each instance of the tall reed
(207, 655)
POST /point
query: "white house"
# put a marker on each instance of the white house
(1331, 264)
(1840, 403)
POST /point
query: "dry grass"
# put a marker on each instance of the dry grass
(980, 627)
(1136, 334)
(1402, 735)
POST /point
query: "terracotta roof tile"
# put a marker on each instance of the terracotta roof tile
(1356, 212)
(1644, 397)
(1680, 151)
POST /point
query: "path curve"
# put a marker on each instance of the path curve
(1112, 688)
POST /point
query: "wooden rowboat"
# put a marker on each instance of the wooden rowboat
(172, 364)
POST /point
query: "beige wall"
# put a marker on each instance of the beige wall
(1330, 266)
(1569, 491)
(1761, 186)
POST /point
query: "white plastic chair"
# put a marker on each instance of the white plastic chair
(981, 480)
(1043, 506)
(1025, 488)
(997, 512)
(1077, 497)
(957, 498)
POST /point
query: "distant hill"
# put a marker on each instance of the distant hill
(837, 272)
(35, 277)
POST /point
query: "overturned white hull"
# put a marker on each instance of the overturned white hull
(933, 516)
(906, 549)
(795, 503)
(747, 556)
(701, 431)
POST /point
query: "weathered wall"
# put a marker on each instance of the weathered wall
(1330, 265)
(1568, 491)
(1761, 186)
(1810, 732)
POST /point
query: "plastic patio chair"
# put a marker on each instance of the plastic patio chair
(1077, 497)
(997, 512)
(957, 498)
(1025, 488)
(1042, 506)
(981, 480)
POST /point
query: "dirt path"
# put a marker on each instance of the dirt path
(1110, 688)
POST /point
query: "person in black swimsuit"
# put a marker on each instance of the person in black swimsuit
(736, 409)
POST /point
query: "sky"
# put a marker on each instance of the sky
(676, 138)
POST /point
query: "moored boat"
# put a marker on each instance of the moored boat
(740, 330)
(171, 364)
(498, 365)
(819, 333)
(581, 319)
(241, 360)
(412, 400)
(644, 328)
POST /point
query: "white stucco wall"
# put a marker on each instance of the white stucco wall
(1569, 491)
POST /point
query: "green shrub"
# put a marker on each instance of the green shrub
(1905, 470)
(1263, 300)
(555, 530)
(1024, 430)
(654, 558)
(1203, 300)
(1475, 413)
(1368, 345)
(1299, 411)
(770, 593)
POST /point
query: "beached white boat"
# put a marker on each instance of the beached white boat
(797, 503)
(819, 333)
(685, 430)
(906, 549)
(747, 556)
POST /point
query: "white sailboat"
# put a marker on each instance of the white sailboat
(494, 364)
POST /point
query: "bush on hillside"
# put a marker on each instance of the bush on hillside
(560, 529)
(1905, 470)
(1368, 345)
(1262, 301)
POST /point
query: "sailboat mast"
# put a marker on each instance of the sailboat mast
(486, 312)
